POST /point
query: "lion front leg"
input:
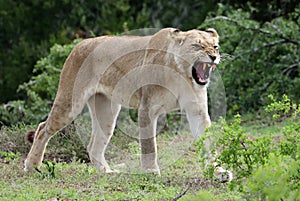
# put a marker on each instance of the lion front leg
(198, 123)
(199, 120)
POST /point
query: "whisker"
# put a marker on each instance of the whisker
(226, 57)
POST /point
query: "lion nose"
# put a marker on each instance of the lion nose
(212, 57)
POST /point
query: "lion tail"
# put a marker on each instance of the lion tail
(29, 136)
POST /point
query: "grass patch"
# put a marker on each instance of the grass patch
(182, 177)
(80, 181)
(260, 127)
(75, 180)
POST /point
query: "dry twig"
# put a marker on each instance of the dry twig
(183, 193)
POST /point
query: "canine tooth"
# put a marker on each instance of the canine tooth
(204, 66)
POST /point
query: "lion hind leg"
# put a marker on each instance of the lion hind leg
(35, 156)
(104, 115)
(58, 118)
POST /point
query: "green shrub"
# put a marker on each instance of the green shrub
(239, 153)
(40, 89)
(282, 108)
(285, 109)
(9, 156)
(248, 156)
(12, 112)
(276, 180)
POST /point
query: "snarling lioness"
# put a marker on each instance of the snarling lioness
(156, 74)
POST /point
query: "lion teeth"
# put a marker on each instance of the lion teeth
(204, 66)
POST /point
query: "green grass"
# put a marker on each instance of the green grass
(255, 126)
(80, 181)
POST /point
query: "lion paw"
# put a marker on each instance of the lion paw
(28, 167)
(112, 171)
(223, 175)
(152, 171)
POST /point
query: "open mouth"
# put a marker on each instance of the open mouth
(201, 71)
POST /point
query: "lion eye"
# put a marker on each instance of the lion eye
(198, 46)
(216, 47)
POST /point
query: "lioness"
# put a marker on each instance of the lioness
(156, 74)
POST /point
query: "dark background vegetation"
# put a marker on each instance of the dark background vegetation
(259, 40)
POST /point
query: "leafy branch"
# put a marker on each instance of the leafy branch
(278, 34)
(236, 22)
(256, 49)
(281, 35)
(289, 68)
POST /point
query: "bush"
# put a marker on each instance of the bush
(12, 112)
(249, 156)
(40, 89)
(238, 152)
(276, 180)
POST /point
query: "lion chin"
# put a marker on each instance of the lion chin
(156, 74)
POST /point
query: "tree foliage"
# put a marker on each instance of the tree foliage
(30, 28)
(260, 43)
(40, 90)
(258, 58)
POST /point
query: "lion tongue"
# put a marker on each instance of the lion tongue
(200, 69)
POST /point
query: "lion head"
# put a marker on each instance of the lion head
(197, 51)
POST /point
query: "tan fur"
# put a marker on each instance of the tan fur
(151, 73)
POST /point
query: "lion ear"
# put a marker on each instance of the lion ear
(213, 32)
(176, 31)
(177, 35)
